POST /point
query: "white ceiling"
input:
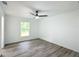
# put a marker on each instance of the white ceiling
(23, 8)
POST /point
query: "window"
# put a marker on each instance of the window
(25, 29)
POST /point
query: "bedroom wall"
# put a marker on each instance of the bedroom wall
(1, 35)
(0, 29)
(61, 29)
(12, 29)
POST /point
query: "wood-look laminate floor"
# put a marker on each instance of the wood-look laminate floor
(37, 48)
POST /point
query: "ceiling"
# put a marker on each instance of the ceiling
(23, 8)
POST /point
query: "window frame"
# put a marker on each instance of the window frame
(29, 29)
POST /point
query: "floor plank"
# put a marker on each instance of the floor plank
(36, 48)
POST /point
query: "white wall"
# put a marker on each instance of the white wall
(12, 29)
(1, 27)
(61, 29)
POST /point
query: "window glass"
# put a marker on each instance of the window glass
(25, 29)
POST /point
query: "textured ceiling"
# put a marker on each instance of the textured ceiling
(23, 8)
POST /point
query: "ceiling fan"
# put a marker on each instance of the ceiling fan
(37, 15)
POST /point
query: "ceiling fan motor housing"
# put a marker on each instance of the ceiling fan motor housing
(36, 13)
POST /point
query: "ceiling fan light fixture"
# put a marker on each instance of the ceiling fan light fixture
(37, 17)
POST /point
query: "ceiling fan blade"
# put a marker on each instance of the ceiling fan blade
(32, 14)
(33, 8)
(42, 15)
(4, 2)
